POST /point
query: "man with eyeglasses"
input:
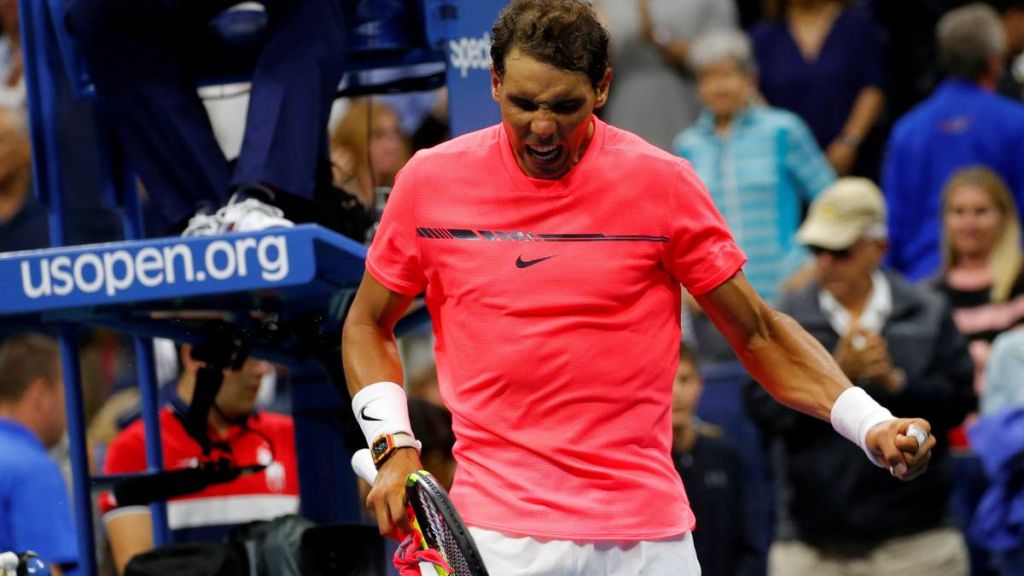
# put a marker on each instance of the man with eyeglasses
(899, 344)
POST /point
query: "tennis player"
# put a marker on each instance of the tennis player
(551, 248)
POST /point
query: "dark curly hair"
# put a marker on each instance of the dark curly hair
(562, 33)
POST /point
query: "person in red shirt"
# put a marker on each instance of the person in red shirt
(237, 432)
(551, 248)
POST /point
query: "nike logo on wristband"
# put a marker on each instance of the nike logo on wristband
(520, 263)
(362, 414)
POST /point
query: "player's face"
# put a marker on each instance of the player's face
(546, 112)
(724, 88)
(237, 396)
(973, 221)
(685, 394)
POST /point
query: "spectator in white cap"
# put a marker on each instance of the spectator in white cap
(899, 344)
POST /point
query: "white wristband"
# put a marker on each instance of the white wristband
(382, 408)
(854, 413)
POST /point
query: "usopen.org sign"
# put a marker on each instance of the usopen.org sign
(118, 270)
(101, 274)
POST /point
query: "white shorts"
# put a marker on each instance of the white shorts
(507, 555)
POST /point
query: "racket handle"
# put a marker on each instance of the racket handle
(362, 464)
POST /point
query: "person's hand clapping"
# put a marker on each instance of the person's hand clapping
(863, 356)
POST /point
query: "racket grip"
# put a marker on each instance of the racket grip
(362, 464)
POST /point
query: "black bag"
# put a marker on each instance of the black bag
(343, 549)
(191, 559)
(275, 547)
(294, 546)
(287, 546)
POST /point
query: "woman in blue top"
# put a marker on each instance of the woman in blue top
(759, 163)
(822, 60)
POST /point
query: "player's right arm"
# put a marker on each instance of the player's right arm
(370, 356)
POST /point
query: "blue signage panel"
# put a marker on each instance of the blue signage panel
(468, 46)
(167, 268)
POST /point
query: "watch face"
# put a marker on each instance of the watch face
(380, 447)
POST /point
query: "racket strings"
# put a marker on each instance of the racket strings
(444, 539)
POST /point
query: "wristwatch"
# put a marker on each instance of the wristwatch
(385, 445)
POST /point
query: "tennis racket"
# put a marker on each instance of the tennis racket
(442, 528)
(432, 513)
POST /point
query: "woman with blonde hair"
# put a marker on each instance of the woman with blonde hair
(368, 148)
(981, 259)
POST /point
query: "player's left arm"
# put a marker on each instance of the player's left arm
(372, 365)
(797, 371)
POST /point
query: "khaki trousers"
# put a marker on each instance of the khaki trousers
(940, 552)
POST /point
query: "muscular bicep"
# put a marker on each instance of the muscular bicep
(737, 311)
(369, 350)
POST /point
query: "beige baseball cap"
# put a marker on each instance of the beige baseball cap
(843, 213)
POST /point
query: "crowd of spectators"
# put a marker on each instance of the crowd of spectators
(922, 100)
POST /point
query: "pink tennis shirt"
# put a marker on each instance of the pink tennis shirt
(555, 306)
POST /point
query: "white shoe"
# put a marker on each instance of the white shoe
(250, 215)
(202, 224)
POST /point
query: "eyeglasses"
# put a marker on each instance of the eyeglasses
(843, 254)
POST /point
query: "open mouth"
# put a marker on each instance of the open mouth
(544, 153)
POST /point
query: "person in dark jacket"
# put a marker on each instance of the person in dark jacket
(711, 467)
(898, 342)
